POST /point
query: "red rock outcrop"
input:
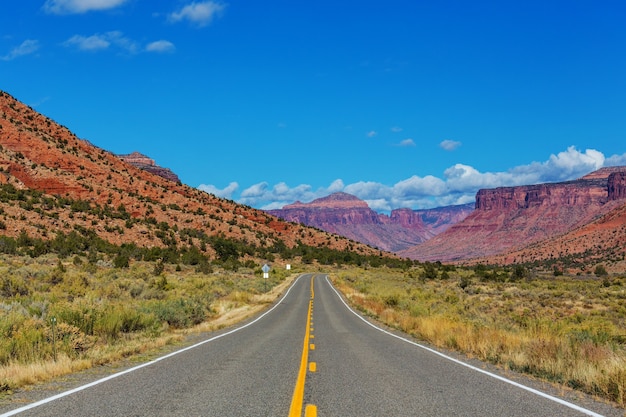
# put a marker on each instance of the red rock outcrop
(509, 218)
(147, 164)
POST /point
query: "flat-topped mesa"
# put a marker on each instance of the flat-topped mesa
(579, 192)
(508, 218)
(594, 189)
(338, 200)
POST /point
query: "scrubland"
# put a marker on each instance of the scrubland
(59, 316)
(569, 330)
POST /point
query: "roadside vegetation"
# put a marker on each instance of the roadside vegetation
(62, 315)
(75, 301)
(569, 330)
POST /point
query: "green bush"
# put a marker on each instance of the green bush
(180, 313)
(118, 319)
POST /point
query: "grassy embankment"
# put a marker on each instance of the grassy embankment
(60, 317)
(566, 330)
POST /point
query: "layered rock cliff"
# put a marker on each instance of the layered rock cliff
(508, 218)
(348, 216)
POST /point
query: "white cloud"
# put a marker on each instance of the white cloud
(88, 43)
(458, 184)
(396, 129)
(379, 205)
(419, 187)
(371, 133)
(79, 6)
(224, 193)
(160, 46)
(449, 145)
(615, 160)
(572, 163)
(28, 47)
(407, 142)
(118, 39)
(336, 186)
(368, 190)
(466, 179)
(98, 42)
(199, 14)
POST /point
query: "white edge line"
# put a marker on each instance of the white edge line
(498, 377)
(143, 365)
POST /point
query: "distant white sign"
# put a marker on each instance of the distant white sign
(265, 268)
(288, 267)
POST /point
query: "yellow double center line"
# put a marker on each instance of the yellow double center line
(298, 392)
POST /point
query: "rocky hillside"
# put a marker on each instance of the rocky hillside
(348, 216)
(512, 218)
(75, 186)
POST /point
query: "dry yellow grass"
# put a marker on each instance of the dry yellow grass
(33, 335)
(18, 374)
(568, 331)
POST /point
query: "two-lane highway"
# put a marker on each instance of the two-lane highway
(365, 371)
(308, 354)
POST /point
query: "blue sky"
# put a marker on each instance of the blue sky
(403, 103)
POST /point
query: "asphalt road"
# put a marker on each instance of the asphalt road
(360, 370)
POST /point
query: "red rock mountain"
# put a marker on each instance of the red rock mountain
(512, 218)
(348, 216)
(89, 189)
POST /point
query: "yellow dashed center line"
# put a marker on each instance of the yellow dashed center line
(298, 392)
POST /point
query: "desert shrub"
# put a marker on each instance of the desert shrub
(8, 245)
(79, 316)
(21, 336)
(136, 289)
(465, 282)
(159, 267)
(11, 286)
(180, 313)
(192, 256)
(430, 271)
(69, 339)
(392, 300)
(122, 260)
(600, 271)
(121, 318)
(224, 248)
(518, 273)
